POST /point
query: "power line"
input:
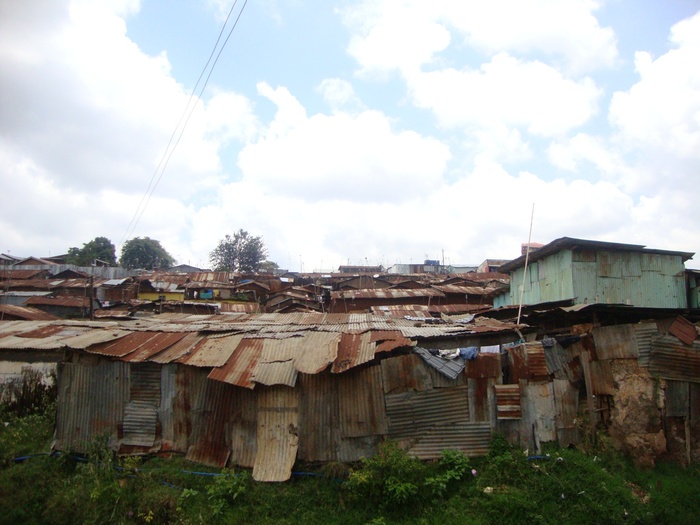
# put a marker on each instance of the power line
(189, 109)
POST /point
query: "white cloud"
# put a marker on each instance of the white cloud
(531, 95)
(406, 34)
(662, 110)
(341, 156)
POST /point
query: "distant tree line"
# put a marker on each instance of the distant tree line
(240, 252)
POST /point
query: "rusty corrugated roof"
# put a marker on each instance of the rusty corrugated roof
(386, 293)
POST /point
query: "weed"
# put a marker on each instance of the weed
(227, 488)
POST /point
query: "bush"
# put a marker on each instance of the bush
(391, 479)
(28, 395)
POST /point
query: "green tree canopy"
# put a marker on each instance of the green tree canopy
(145, 253)
(98, 251)
(241, 252)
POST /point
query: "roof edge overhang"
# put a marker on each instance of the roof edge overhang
(570, 243)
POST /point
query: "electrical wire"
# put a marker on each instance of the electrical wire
(188, 111)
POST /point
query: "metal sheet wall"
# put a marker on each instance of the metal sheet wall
(360, 403)
(277, 433)
(91, 398)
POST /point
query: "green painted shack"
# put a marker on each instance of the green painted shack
(590, 272)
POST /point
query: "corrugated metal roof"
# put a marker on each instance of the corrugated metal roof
(212, 351)
(239, 368)
(123, 346)
(316, 350)
(276, 363)
(457, 289)
(385, 293)
(353, 350)
(179, 349)
(568, 243)
(24, 312)
(63, 301)
(155, 346)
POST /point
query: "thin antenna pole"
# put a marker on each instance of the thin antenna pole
(527, 257)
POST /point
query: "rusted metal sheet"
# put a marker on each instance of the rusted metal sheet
(602, 378)
(384, 293)
(224, 426)
(539, 414)
(48, 330)
(480, 398)
(140, 413)
(643, 334)
(353, 350)
(388, 340)
(472, 439)
(508, 401)
(92, 394)
(239, 368)
(93, 337)
(208, 442)
(277, 433)
(123, 346)
(360, 403)
(405, 372)
(517, 363)
(566, 406)
(212, 351)
(413, 414)
(316, 350)
(276, 363)
(155, 346)
(462, 290)
(684, 330)
(181, 348)
(319, 419)
(616, 342)
(671, 359)
(485, 365)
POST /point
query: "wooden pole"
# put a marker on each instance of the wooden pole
(527, 257)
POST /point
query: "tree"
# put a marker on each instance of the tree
(242, 253)
(269, 266)
(98, 251)
(145, 253)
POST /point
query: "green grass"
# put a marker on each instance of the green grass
(565, 486)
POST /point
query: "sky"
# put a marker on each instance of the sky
(349, 132)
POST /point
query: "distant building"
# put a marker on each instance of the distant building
(491, 265)
(360, 269)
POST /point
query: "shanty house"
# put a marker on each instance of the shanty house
(588, 272)
(264, 390)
